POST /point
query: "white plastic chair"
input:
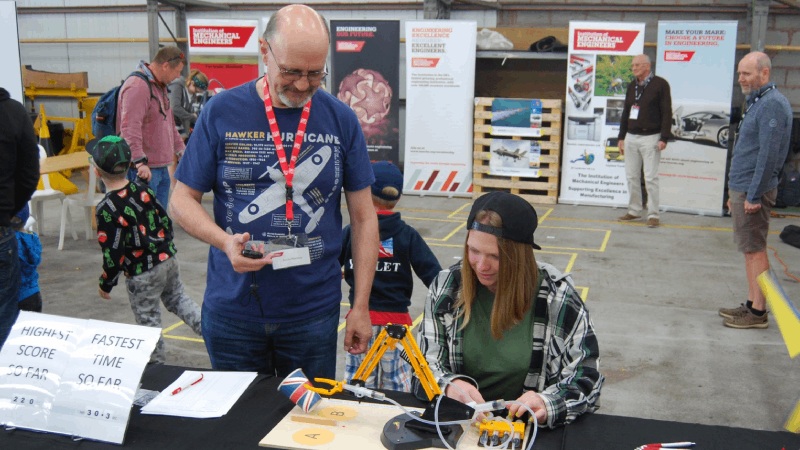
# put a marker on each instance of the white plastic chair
(42, 195)
(88, 201)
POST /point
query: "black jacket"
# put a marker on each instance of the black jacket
(19, 157)
(401, 250)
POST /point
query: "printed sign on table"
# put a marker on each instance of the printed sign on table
(72, 376)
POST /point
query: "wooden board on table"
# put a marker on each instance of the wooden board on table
(59, 163)
(361, 432)
(542, 190)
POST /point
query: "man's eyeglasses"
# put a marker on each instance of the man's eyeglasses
(293, 75)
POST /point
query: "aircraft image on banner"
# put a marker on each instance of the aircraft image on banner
(504, 152)
(275, 196)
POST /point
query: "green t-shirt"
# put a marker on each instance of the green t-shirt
(499, 367)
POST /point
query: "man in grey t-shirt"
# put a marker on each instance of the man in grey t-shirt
(760, 151)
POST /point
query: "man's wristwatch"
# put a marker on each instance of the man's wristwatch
(136, 163)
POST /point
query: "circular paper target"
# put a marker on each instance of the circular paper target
(313, 436)
(338, 413)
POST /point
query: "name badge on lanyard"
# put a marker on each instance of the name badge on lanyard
(298, 255)
(634, 112)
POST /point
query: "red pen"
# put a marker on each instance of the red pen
(667, 445)
(181, 389)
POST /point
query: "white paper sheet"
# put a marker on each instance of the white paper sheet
(212, 397)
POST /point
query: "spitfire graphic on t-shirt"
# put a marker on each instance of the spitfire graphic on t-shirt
(274, 197)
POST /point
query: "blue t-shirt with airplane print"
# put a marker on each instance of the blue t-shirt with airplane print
(231, 152)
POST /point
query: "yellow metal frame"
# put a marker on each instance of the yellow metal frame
(82, 133)
(383, 343)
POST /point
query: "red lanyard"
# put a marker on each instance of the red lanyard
(287, 168)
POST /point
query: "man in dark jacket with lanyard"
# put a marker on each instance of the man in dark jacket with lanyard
(19, 174)
(762, 143)
(644, 130)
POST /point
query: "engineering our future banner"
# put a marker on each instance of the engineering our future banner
(365, 74)
(697, 59)
(599, 70)
(440, 87)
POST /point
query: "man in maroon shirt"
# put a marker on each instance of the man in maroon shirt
(644, 129)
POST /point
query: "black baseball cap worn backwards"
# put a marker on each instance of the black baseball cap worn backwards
(110, 154)
(518, 216)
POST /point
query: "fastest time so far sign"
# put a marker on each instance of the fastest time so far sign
(72, 376)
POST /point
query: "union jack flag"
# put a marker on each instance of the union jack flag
(386, 250)
(295, 386)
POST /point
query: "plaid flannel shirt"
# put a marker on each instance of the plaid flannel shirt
(565, 359)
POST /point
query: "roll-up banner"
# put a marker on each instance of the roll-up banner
(365, 74)
(440, 88)
(697, 59)
(598, 73)
(224, 50)
(11, 78)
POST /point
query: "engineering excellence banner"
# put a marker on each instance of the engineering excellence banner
(697, 59)
(224, 50)
(365, 74)
(440, 88)
(598, 73)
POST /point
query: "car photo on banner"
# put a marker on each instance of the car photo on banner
(702, 125)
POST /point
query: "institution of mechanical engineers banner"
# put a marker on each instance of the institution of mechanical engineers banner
(598, 74)
(440, 87)
(365, 74)
(697, 59)
(224, 50)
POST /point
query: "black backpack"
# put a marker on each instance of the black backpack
(791, 235)
(104, 115)
(788, 188)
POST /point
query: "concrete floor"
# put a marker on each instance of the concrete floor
(653, 295)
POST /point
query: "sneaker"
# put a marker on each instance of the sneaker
(628, 217)
(732, 313)
(652, 222)
(748, 320)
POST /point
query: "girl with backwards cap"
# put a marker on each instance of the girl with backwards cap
(499, 325)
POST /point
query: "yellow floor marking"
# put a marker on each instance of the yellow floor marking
(416, 321)
(341, 326)
(602, 246)
(458, 210)
(571, 263)
(584, 292)
(642, 224)
(458, 228)
(181, 338)
(170, 328)
(545, 215)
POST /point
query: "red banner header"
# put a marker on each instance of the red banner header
(604, 40)
(220, 36)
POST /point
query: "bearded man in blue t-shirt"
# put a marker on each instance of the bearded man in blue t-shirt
(257, 314)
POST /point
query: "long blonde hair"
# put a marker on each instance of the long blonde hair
(517, 279)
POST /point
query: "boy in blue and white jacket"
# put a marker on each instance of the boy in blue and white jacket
(401, 250)
(30, 256)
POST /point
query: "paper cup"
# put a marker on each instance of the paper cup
(295, 386)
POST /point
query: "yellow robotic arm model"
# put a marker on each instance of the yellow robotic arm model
(404, 432)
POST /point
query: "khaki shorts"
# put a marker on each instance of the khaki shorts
(750, 230)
